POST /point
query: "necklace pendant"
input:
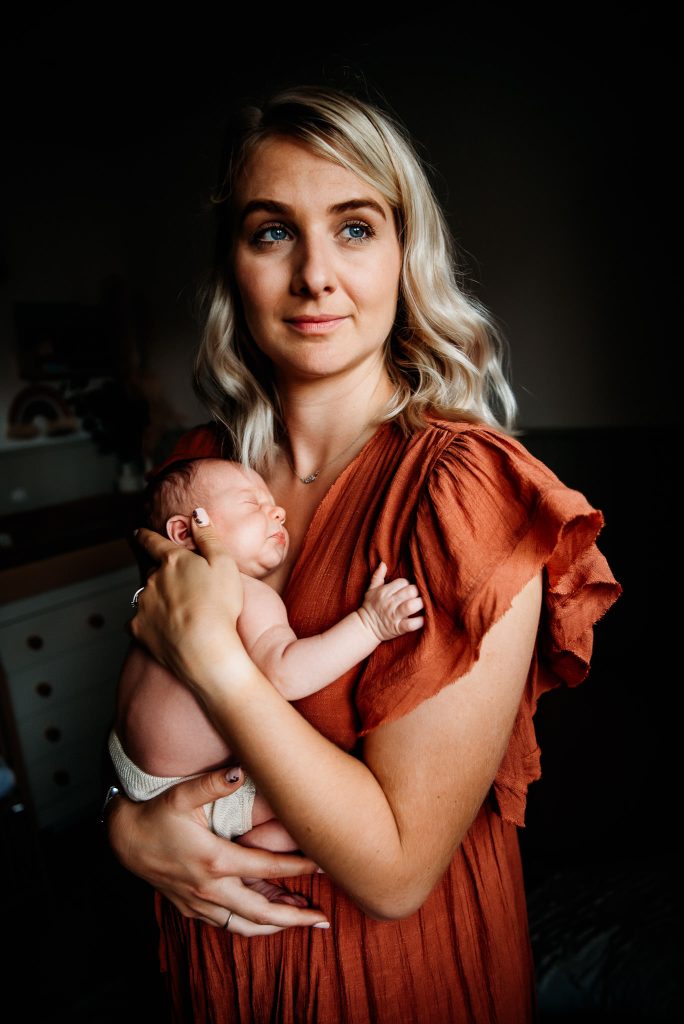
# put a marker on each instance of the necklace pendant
(310, 478)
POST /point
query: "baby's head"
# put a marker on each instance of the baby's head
(240, 505)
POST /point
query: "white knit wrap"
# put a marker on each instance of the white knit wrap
(229, 816)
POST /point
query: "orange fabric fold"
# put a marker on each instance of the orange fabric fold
(469, 515)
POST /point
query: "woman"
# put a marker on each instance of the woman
(350, 369)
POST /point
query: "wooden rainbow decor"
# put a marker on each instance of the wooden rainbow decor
(38, 409)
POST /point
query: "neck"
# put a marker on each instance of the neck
(324, 416)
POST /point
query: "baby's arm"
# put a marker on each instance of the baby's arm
(298, 668)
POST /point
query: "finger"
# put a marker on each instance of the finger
(239, 926)
(255, 907)
(278, 914)
(394, 586)
(215, 915)
(206, 539)
(249, 905)
(378, 577)
(246, 860)
(205, 788)
(415, 622)
(407, 608)
(154, 544)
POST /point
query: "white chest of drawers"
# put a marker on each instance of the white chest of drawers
(61, 652)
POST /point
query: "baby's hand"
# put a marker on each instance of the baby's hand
(388, 609)
(275, 893)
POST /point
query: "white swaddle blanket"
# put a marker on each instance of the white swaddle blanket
(229, 816)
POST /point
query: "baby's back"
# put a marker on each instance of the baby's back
(161, 725)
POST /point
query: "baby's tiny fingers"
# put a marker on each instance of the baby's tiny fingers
(410, 607)
(394, 586)
(378, 577)
(293, 899)
(415, 622)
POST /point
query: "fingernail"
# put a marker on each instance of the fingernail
(200, 516)
(322, 924)
(136, 532)
(320, 871)
(233, 775)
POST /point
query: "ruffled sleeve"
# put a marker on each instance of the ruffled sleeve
(489, 516)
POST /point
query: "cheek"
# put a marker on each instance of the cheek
(386, 281)
(258, 286)
(387, 295)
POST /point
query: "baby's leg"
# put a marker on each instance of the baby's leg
(266, 833)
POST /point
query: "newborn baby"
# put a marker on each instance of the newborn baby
(161, 734)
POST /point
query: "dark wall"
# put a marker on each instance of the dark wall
(549, 144)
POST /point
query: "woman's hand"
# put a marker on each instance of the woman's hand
(167, 842)
(187, 612)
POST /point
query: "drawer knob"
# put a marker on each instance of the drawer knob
(61, 777)
(35, 642)
(44, 689)
(53, 734)
(96, 621)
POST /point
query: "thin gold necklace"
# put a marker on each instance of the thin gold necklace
(309, 479)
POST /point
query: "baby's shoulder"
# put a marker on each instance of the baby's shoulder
(261, 603)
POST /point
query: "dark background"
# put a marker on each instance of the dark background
(550, 138)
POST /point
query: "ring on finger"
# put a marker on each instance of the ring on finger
(230, 915)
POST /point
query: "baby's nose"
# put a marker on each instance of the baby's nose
(278, 514)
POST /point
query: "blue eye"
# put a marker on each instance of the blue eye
(270, 235)
(358, 231)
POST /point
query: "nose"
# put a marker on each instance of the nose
(278, 514)
(313, 272)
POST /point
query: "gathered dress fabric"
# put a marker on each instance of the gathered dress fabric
(470, 516)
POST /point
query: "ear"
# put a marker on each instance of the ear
(178, 530)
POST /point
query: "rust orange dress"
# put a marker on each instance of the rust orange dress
(471, 516)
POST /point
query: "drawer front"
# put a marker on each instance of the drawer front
(69, 779)
(31, 640)
(83, 720)
(49, 684)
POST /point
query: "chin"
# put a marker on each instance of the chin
(266, 570)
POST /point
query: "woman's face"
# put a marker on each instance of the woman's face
(316, 261)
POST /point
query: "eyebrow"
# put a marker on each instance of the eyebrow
(271, 206)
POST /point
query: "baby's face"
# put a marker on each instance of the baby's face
(245, 516)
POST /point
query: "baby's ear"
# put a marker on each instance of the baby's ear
(178, 530)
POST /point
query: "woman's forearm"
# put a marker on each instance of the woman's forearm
(328, 800)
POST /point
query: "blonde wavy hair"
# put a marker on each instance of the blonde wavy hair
(444, 353)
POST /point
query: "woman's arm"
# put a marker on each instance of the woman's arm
(384, 829)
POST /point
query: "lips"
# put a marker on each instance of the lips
(279, 537)
(321, 318)
(315, 324)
